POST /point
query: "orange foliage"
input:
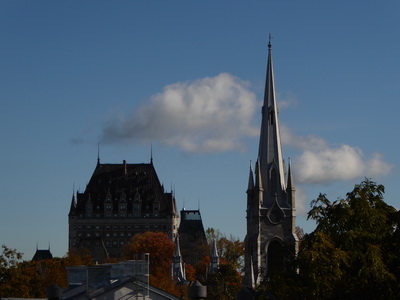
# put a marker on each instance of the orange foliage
(161, 250)
(190, 273)
(30, 279)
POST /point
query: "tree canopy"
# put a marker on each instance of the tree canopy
(352, 254)
(30, 279)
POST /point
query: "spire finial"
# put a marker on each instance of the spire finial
(269, 41)
(98, 153)
(151, 153)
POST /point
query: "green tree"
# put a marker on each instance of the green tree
(352, 254)
(224, 284)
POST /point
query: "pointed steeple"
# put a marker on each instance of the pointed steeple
(250, 185)
(177, 267)
(177, 248)
(290, 183)
(98, 153)
(271, 212)
(270, 148)
(291, 190)
(72, 208)
(214, 258)
(259, 181)
(151, 153)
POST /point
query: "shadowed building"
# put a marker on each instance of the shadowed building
(42, 255)
(193, 239)
(271, 217)
(119, 201)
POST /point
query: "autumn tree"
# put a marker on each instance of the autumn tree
(227, 281)
(30, 279)
(230, 250)
(11, 276)
(161, 249)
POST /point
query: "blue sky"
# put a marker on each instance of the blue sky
(188, 78)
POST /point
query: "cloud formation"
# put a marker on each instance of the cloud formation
(323, 163)
(211, 114)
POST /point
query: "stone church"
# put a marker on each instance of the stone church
(271, 206)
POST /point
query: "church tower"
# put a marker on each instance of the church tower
(271, 209)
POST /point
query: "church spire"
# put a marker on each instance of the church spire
(290, 190)
(271, 212)
(250, 185)
(270, 148)
(290, 183)
(98, 153)
(214, 258)
(177, 267)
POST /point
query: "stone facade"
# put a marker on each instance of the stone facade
(271, 207)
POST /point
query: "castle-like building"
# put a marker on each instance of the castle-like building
(271, 206)
(119, 201)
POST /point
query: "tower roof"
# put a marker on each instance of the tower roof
(270, 148)
(251, 180)
(122, 182)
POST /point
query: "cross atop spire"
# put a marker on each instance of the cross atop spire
(269, 41)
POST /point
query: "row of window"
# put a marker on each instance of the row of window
(114, 242)
(110, 214)
(119, 227)
(121, 207)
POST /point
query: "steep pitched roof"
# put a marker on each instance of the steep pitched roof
(122, 181)
(42, 255)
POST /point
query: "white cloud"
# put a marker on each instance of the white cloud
(206, 115)
(324, 163)
(301, 200)
(287, 99)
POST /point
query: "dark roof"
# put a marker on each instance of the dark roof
(124, 182)
(42, 255)
(191, 224)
